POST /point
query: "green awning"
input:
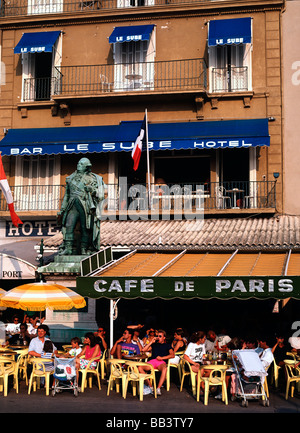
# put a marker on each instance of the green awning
(189, 288)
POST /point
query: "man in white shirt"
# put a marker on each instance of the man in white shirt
(14, 327)
(211, 342)
(266, 356)
(36, 344)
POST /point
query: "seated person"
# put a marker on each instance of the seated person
(75, 350)
(91, 350)
(195, 351)
(178, 345)
(222, 341)
(161, 352)
(125, 347)
(252, 343)
(100, 337)
(23, 338)
(13, 327)
(211, 341)
(266, 356)
(47, 353)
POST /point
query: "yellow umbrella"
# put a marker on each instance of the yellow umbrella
(2, 293)
(39, 296)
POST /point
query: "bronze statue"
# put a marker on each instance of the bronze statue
(82, 204)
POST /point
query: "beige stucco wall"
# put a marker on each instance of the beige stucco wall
(291, 91)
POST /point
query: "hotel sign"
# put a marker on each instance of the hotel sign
(188, 288)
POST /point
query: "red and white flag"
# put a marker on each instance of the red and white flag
(8, 196)
(138, 145)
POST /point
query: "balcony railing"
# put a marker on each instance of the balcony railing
(234, 79)
(41, 7)
(174, 75)
(186, 197)
(35, 198)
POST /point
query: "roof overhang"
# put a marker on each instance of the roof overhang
(189, 275)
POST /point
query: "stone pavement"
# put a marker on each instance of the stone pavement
(172, 404)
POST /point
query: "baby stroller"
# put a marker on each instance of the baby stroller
(250, 376)
(64, 375)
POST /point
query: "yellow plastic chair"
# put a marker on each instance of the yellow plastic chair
(67, 347)
(103, 364)
(21, 367)
(134, 376)
(88, 373)
(177, 366)
(7, 368)
(187, 371)
(275, 376)
(217, 376)
(117, 375)
(292, 355)
(38, 371)
(292, 375)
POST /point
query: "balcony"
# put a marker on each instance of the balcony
(95, 80)
(15, 8)
(210, 198)
(233, 79)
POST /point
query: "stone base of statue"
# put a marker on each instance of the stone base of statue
(63, 264)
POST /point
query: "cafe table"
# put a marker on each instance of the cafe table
(139, 357)
(234, 191)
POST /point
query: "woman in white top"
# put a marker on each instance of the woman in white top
(195, 350)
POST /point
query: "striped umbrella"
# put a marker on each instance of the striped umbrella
(39, 296)
(2, 293)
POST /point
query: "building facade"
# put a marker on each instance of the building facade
(77, 78)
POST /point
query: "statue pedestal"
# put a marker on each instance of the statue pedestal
(63, 264)
(67, 324)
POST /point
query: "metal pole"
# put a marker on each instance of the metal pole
(148, 160)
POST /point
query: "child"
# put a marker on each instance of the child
(76, 349)
(48, 353)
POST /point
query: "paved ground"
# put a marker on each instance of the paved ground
(172, 404)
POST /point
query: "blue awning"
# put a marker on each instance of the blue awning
(38, 42)
(116, 138)
(131, 33)
(229, 32)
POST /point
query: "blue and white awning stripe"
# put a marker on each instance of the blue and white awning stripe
(116, 138)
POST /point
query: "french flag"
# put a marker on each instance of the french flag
(8, 196)
(138, 145)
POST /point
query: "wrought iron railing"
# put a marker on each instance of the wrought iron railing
(40, 89)
(123, 197)
(35, 198)
(175, 75)
(186, 74)
(42, 7)
(233, 79)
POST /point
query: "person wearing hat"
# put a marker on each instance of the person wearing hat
(82, 203)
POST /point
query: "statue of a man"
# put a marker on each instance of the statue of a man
(82, 203)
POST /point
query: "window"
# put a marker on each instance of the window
(40, 75)
(134, 3)
(230, 68)
(37, 183)
(134, 65)
(44, 6)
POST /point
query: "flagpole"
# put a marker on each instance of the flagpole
(148, 161)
